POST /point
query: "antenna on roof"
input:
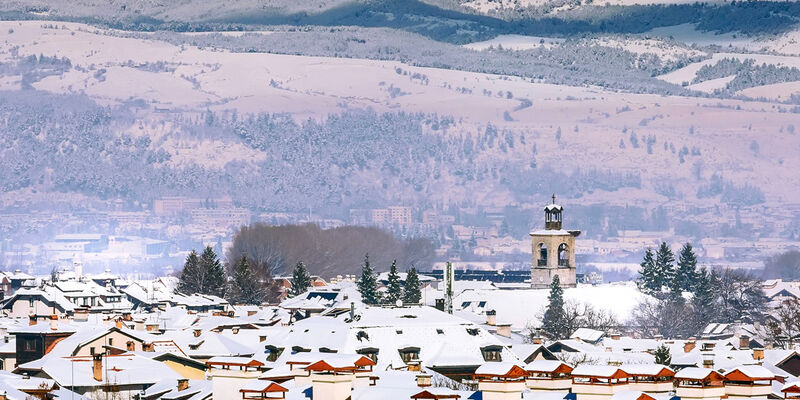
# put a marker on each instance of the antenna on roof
(554, 198)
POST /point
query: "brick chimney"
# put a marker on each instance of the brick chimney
(615, 336)
(183, 384)
(423, 380)
(708, 360)
(197, 332)
(744, 342)
(54, 322)
(32, 319)
(97, 367)
(491, 317)
(689, 346)
(537, 340)
(758, 353)
(504, 330)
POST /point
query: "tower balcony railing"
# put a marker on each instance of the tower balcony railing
(563, 263)
(541, 263)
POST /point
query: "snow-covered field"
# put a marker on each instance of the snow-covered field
(515, 42)
(688, 73)
(596, 125)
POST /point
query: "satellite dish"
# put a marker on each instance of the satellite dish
(399, 303)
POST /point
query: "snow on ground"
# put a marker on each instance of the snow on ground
(778, 91)
(661, 49)
(688, 73)
(786, 43)
(593, 121)
(516, 42)
(711, 85)
(523, 307)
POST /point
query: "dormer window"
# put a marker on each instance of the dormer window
(369, 352)
(298, 349)
(409, 354)
(491, 353)
(272, 352)
(440, 331)
(473, 331)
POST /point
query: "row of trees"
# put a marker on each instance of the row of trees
(684, 299)
(408, 292)
(241, 282)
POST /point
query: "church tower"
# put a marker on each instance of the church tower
(553, 251)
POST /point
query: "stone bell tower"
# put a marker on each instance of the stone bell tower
(553, 250)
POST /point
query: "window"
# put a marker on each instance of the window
(482, 304)
(465, 304)
(31, 302)
(491, 353)
(30, 345)
(110, 341)
(91, 350)
(440, 331)
(409, 354)
(473, 331)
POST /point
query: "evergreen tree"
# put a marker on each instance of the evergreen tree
(686, 273)
(301, 280)
(703, 300)
(215, 280)
(394, 289)
(648, 275)
(665, 265)
(554, 323)
(245, 286)
(411, 292)
(662, 355)
(202, 274)
(368, 283)
(187, 282)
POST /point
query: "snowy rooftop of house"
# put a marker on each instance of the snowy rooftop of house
(587, 335)
(496, 368)
(602, 371)
(753, 371)
(695, 373)
(544, 365)
(647, 369)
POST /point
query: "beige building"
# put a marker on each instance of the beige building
(553, 251)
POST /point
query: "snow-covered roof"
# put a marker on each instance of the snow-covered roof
(497, 368)
(695, 373)
(587, 335)
(601, 371)
(756, 372)
(545, 366)
(648, 370)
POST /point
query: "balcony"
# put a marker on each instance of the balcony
(748, 391)
(652, 387)
(548, 384)
(563, 263)
(541, 262)
(707, 393)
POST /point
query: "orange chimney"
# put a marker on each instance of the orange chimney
(54, 322)
(689, 346)
(32, 319)
(97, 367)
(183, 384)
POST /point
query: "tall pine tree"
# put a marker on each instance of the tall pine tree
(703, 307)
(203, 274)
(648, 275)
(412, 293)
(215, 279)
(301, 280)
(245, 286)
(394, 289)
(187, 282)
(368, 283)
(554, 323)
(665, 265)
(686, 273)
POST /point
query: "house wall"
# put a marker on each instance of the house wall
(117, 340)
(186, 371)
(22, 309)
